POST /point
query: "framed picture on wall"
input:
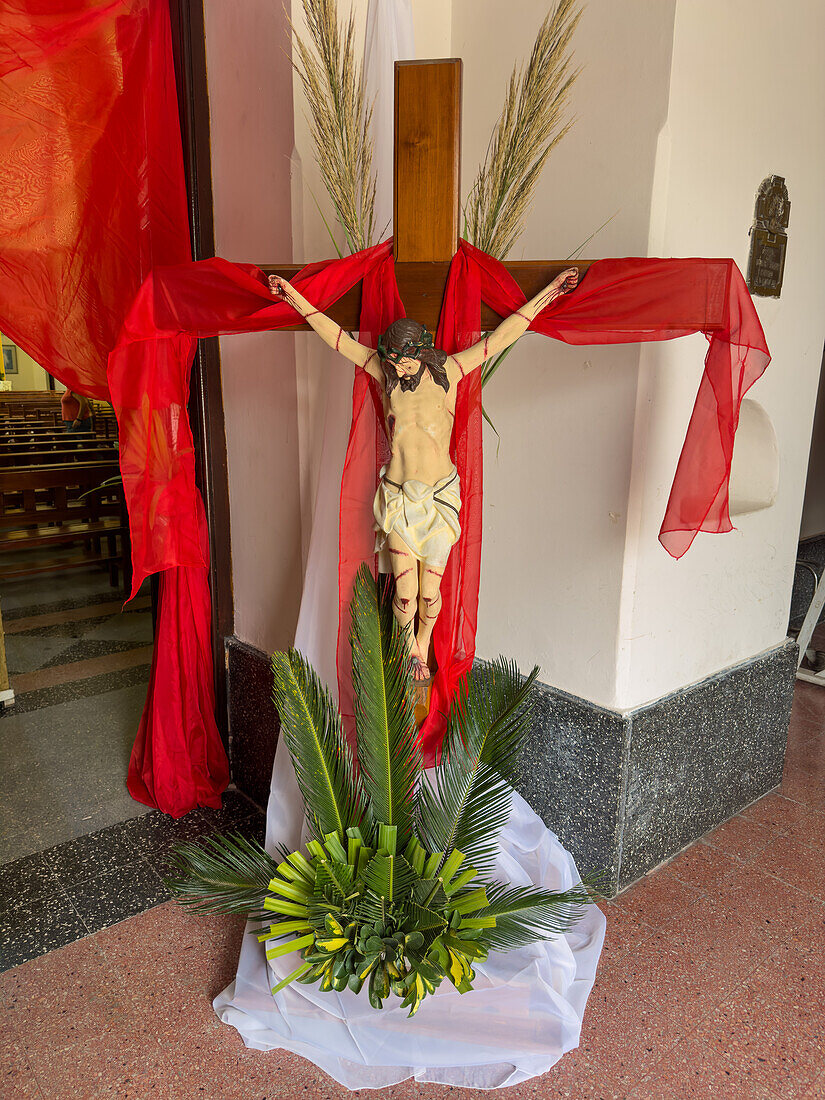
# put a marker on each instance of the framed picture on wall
(9, 359)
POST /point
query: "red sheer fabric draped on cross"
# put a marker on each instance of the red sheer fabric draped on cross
(618, 301)
(92, 197)
(93, 203)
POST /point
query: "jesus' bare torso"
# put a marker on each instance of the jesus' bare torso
(417, 505)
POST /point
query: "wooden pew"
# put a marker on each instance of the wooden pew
(103, 424)
(76, 441)
(19, 433)
(41, 507)
(35, 456)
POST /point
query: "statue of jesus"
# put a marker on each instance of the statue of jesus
(418, 503)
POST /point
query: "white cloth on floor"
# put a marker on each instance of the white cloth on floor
(523, 1014)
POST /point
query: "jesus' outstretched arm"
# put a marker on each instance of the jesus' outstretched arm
(327, 329)
(515, 325)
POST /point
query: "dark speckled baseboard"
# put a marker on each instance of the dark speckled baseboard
(253, 721)
(626, 791)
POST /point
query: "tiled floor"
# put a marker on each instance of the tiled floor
(54, 897)
(711, 984)
(79, 666)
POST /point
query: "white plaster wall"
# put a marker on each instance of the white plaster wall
(250, 95)
(747, 100)
(556, 492)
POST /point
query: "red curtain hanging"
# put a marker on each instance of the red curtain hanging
(92, 194)
(92, 197)
(618, 301)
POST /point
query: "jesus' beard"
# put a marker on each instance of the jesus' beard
(410, 382)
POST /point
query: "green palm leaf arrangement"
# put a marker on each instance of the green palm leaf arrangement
(391, 891)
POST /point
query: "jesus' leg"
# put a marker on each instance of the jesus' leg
(429, 605)
(405, 597)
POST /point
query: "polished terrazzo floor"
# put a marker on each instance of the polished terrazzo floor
(79, 666)
(711, 984)
(77, 853)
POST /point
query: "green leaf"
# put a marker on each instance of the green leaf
(471, 800)
(335, 847)
(221, 874)
(489, 368)
(331, 788)
(290, 946)
(298, 973)
(389, 877)
(420, 919)
(525, 914)
(388, 751)
(388, 838)
(334, 877)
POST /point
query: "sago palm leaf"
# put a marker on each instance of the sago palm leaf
(472, 796)
(223, 874)
(525, 914)
(388, 752)
(389, 876)
(324, 767)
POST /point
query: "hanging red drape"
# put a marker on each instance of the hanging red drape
(92, 197)
(93, 193)
(618, 301)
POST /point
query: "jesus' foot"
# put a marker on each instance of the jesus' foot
(420, 669)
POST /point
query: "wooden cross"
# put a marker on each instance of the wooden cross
(426, 201)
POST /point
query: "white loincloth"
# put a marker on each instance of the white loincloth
(424, 516)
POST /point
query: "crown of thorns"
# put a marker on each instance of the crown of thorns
(408, 350)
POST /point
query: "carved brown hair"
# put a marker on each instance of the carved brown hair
(414, 341)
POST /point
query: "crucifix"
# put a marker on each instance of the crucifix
(418, 502)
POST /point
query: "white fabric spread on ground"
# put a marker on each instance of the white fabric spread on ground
(524, 1013)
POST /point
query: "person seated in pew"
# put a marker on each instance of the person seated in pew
(76, 412)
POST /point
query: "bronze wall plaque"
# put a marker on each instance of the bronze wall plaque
(766, 262)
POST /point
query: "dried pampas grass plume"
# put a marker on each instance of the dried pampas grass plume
(532, 123)
(340, 119)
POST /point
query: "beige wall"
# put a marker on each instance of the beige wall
(729, 597)
(250, 95)
(30, 375)
(556, 491)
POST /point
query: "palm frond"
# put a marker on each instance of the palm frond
(333, 877)
(389, 876)
(525, 914)
(532, 122)
(222, 874)
(362, 914)
(339, 117)
(331, 787)
(388, 751)
(472, 796)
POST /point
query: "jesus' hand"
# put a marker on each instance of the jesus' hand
(562, 284)
(331, 333)
(515, 325)
(279, 287)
